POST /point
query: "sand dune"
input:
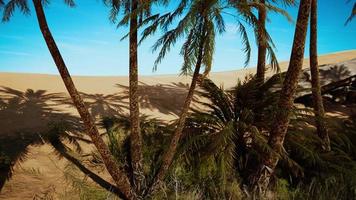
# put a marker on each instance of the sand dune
(161, 95)
(107, 84)
(41, 98)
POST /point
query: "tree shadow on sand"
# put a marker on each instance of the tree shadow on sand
(30, 118)
(335, 73)
(166, 98)
(337, 86)
(329, 73)
(102, 105)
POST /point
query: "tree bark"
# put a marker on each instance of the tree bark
(136, 137)
(260, 181)
(262, 44)
(315, 81)
(116, 173)
(261, 57)
(169, 155)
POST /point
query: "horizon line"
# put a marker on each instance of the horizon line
(173, 74)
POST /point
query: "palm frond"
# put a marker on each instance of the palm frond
(10, 7)
(70, 3)
(352, 15)
(245, 42)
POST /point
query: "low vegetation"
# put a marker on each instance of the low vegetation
(253, 141)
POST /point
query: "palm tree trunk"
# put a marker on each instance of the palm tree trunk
(136, 137)
(315, 82)
(169, 155)
(261, 179)
(5, 169)
(116, 173)
(261, 60)
(261, 57)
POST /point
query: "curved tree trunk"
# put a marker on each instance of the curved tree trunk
(169, 155)
(262, 43)
(315, 82)
(136, 137)
(116, 173)
(261, 179)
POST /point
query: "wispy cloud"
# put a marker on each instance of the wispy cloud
(101, 42)
(14, 53)
(71, 39)
(72, 47)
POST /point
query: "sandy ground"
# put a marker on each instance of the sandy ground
(160, 96)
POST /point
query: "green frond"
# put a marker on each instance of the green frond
(284, 2)
(81, 187)
(352, 15)
(209, 47)
(219, 20)
(280, 11)
(175, 14)
(70, 3)
(170, 38)
(155, 23)
(273, 59)
(198, 26)
(10, 6)
(188, 53)
(245, 42)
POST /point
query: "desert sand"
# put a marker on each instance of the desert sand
(161, 97)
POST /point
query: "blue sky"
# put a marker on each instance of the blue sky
(91, 45)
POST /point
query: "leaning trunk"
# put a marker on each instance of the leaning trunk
(261, 179)
(116, 173)
(315, 82)
(262, 44)
(169, 155)
(136, 137)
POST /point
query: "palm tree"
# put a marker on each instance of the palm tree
(199, 26)
(261, 179)
(227, 130)
(262, 36)
(315, 82)
(136, 137)
(134, 12)
(116, 173)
